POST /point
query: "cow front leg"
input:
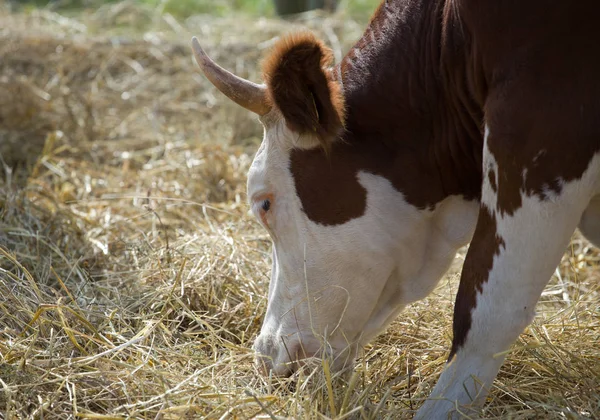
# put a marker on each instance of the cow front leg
(511, 258)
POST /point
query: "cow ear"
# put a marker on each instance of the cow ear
(301, 86)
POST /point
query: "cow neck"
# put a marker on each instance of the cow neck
(411, 117)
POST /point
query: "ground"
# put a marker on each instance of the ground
(133, 279)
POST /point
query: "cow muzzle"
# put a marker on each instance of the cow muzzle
(281, 356)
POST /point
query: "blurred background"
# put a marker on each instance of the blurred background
(89, 67)
(359, 9)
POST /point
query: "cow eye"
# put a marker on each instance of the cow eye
(266, 205)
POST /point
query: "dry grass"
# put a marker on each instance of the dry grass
(133, 280)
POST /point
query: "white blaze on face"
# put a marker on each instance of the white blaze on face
(333, 288)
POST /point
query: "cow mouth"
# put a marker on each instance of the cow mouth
(294, 356)
(281, 359)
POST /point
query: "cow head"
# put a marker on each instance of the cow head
(349, 252)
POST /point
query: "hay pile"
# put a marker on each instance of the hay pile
(133, 280)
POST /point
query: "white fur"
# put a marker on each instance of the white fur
(535, 237)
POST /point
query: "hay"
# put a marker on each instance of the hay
(133, 280)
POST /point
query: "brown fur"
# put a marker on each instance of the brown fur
(302, 88)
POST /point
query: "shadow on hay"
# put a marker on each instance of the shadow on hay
(23, 128)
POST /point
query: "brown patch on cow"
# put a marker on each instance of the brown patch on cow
(538, 153)
(541, 104)
(486, 244)
(328, 186)
(301, 87)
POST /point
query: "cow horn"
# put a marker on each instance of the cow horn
(251, 96)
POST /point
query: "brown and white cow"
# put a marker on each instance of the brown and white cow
(450, 121)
